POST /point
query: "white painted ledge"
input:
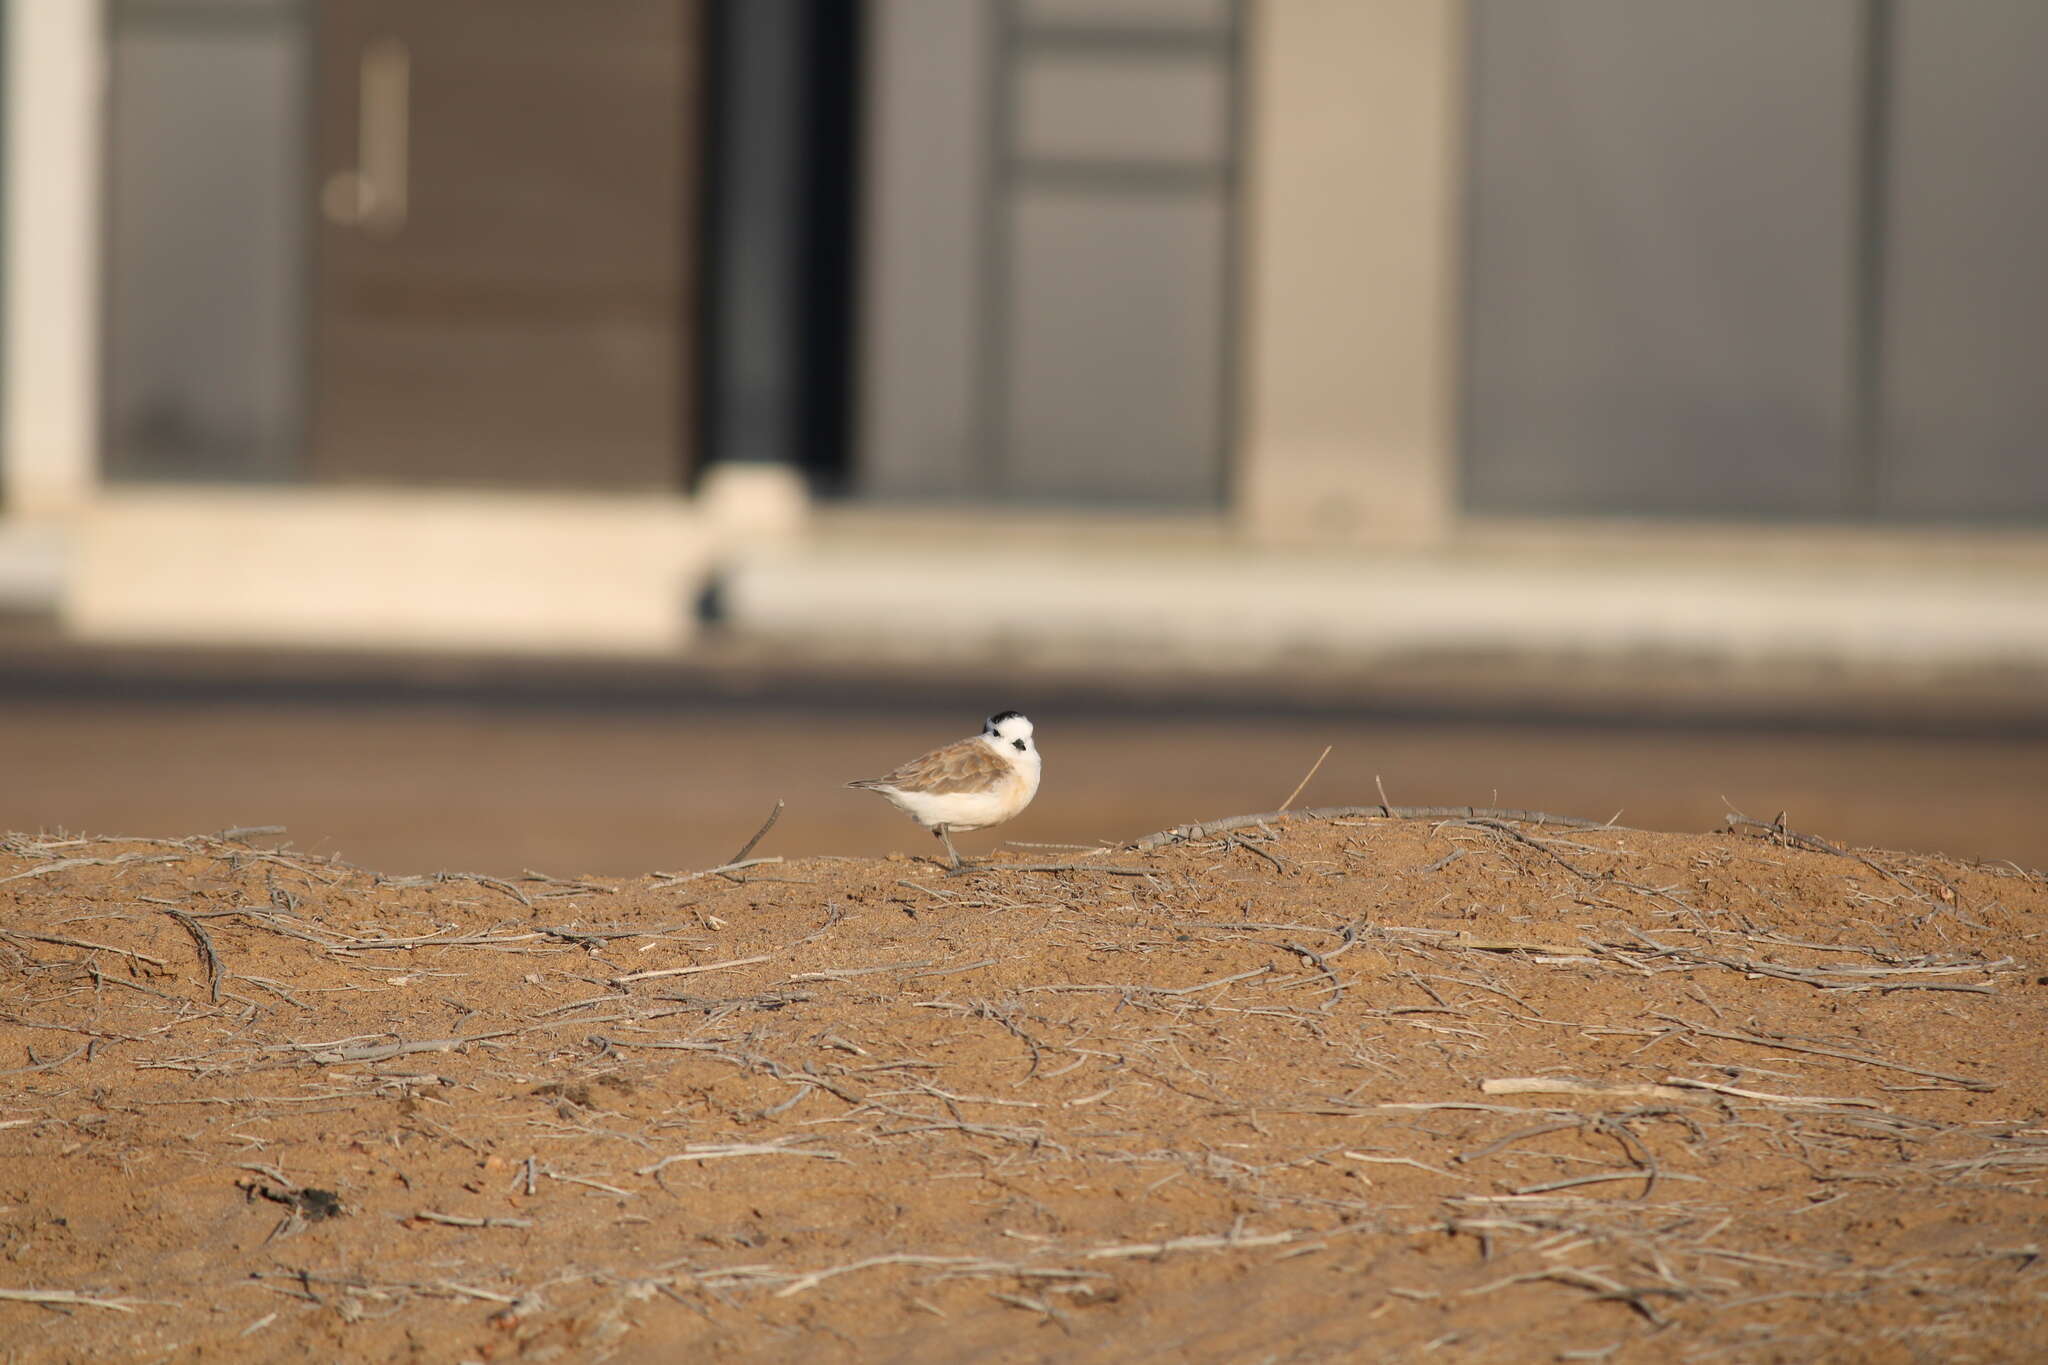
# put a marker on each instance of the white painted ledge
(1232, 608)
(439, 571)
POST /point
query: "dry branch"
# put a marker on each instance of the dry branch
(207, 952)
(1063, 867)
(1823, 1101)
(66, 864)
(689, 971)
(62, 941)
(1565, 1085)
(1313, 769)
(667, 879)
(728, 1150)
(1203, 828)
(1786, 1045)
(68, 1299)
(456, 1220)
(759, 835)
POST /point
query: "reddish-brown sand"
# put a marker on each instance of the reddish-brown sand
(1315, 1090)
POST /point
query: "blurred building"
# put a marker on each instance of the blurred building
(1234, 332)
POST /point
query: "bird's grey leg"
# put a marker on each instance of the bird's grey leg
(946, 836)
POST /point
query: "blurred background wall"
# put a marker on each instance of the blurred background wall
(1589, 356)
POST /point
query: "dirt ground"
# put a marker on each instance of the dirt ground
(1325, 1088)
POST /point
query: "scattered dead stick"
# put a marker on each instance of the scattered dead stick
(1068, 867)
(65, 864)
(1783, 1045)
(67, 1298)
(50, 1065)
(1314, 768)
(1601, 1178)
(954, 1265)
(456, 1220)
(846, 973)
(62, 941)
(667, 879)
(1784, 835)
(363, 945)
(1817, 845)
(1248, 846)
(1821, 978)
(963, 967)
(726, 1151)
(1565, 1085)
(689, 971)
(1136, 989)
(759, 834)
(1497, 827)
(21, 1022)
(383, 1051)
(1321, 964)
(207, 952)
(1764, 1096)
(1224, 1242)
(1462, 939)
(242, 834)
(1502, 1144)
(479, 878)
(1203, 828)
(1601, 1286)
(269, 920)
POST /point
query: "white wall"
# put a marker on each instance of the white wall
(53, 81)
(1350, 270)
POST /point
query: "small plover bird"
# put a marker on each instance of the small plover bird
(969, 784)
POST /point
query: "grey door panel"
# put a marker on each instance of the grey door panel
(1963, 425)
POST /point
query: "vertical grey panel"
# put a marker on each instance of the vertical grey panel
(204, 273)
(1115, 353)
(1134, 13)
(1048, 249)
(928, 168)
(1963, 424)
(1111, 108)
(1662, 256)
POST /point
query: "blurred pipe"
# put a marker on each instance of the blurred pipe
(374, 196)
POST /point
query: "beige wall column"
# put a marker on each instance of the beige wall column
(1353, 174)
(49, 455)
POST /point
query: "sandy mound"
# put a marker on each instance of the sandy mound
(1326, 1088)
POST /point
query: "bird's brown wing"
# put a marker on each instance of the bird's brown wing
(963, 766)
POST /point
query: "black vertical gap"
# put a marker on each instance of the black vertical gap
(701, 242)
(992, 380)
(830, 251)
(1865, 494)
(778, 227)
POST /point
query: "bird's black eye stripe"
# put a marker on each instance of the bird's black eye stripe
(1019, 743)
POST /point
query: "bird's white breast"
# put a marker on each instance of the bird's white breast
(970, 810)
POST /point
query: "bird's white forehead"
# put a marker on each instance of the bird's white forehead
(1009, 725)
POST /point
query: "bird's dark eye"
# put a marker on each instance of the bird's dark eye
(1019, 743)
